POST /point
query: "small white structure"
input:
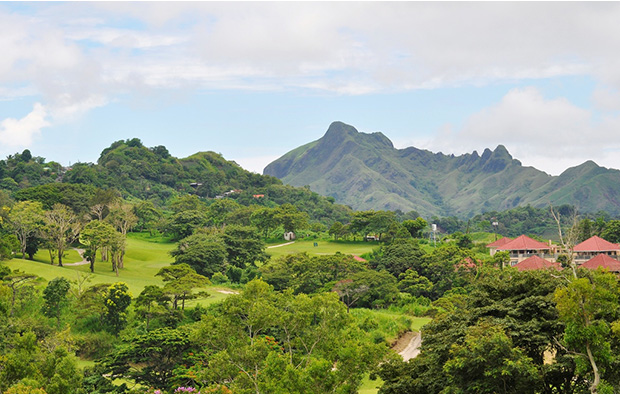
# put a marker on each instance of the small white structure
(289, 236)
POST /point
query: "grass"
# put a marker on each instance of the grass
(144, 258)
(324, 247)
(369, 386)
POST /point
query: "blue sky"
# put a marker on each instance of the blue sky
(255, 80)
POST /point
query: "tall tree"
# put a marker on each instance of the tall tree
(16, 280)
(243, 246)
(487, 362)
(291, 218)
(116, 302)
(55, 296)
(122, 217)
(584, 304)
(180, 281)
(96, 235)
(205, 253)
(62, 228)
(27, 219)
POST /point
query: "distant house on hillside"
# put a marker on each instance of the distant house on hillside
(594, 246)
(524, 247)
(498, 243)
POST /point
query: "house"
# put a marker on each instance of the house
(524, 247)
(594, 246)
(536, 263)
(604, 261)
(498, 243)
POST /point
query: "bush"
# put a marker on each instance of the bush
(94, 345)
(219, 278)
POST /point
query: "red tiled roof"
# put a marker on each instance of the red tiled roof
(536, 263)
(524, 243)
(500, 242)
(595, 243)
(359, 258)
(603, 260)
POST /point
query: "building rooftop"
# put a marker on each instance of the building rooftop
(596, 244)
(536, 263)
(604, 261)
(524, 243)
(500, 242)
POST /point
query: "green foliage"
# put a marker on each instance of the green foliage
(96, 235)
(290, 217)
(398, 257)
(487, 362)
(414, 284)
(588, 306)
(26, 219)
(180, 281)
(116, 303)
(506, 312)
(611, 232)
(184, 223)
(75, 196)
(9, 244)
(415, 227)
(205, 253)
(305, 274)
(269, 342)
(243, 246)
(55, 296)
(151, 359)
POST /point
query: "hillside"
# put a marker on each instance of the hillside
(365, 171)
(151, 173)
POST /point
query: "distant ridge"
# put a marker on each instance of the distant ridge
(365, 171)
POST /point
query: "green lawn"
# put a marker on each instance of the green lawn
(324, 247)
(144, 257)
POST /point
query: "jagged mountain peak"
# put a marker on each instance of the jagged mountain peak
(365, 171)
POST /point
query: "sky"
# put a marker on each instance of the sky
(254, 80)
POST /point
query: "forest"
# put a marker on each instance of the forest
(144, 273)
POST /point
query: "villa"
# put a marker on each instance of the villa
(524, 247)
(594, 246)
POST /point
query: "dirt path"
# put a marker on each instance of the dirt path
(282, 245)
(83, 262)
(408, 345)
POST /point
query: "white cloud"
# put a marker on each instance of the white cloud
(20, 132)
(549, 134)
(256, 163)
(77, 56)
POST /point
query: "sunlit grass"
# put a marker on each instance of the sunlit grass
(323, 247)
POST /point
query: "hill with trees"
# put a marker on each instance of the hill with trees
(365, 171)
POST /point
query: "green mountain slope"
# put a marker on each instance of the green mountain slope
(153, 174)
(365, 171)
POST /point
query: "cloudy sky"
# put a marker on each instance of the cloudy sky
(255, 80)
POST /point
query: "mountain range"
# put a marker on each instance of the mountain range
(365, 171)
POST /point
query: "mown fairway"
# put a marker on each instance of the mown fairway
(324, 247)
(144, 258)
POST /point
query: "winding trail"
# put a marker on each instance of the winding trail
(282, 245)
(408, 345)
(83, 262)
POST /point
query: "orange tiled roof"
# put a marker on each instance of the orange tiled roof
(603, 260)
(596, 244)
(536, 263)
(524, 243)
(500, 242)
